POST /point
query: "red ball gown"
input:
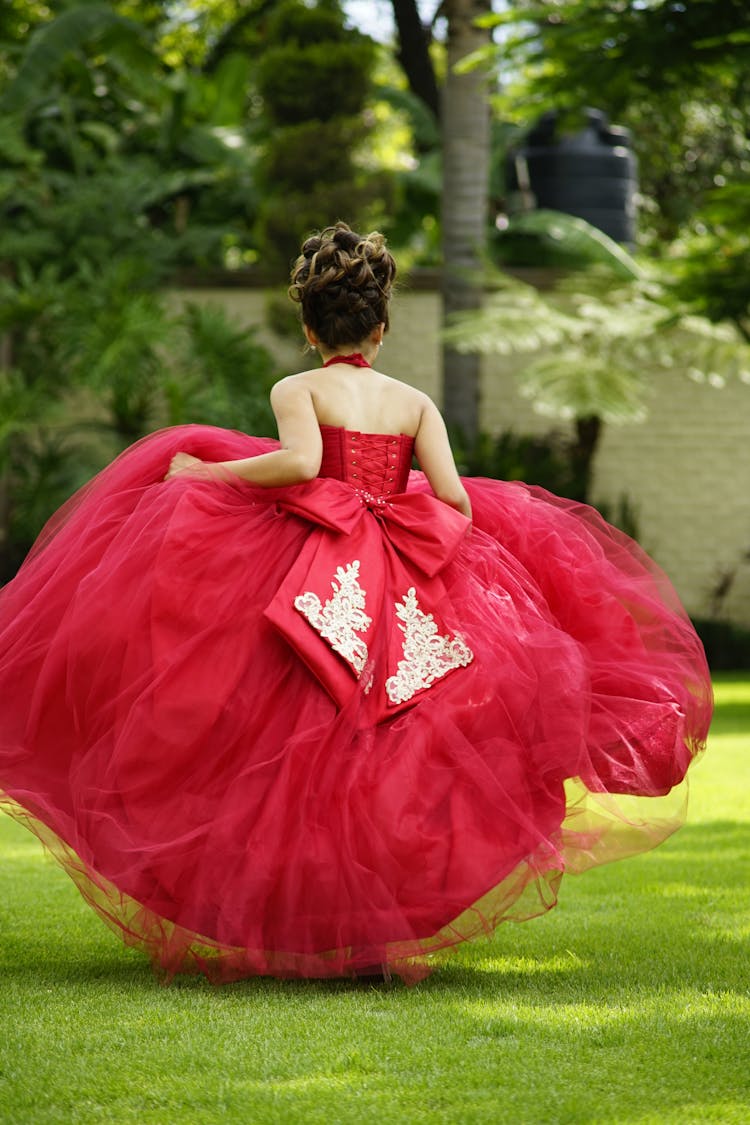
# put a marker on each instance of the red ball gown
(309, 730)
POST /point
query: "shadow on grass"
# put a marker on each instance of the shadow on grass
(672, 916)
(630, 998)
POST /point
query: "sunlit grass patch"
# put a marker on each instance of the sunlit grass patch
(628, 1004)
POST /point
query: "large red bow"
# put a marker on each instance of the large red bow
(337, 605)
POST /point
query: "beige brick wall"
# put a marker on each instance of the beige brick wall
(686, 469)
(411, 350)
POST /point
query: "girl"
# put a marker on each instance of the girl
(283, 708)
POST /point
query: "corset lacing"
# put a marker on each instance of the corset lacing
(375, 465)
(372, 462)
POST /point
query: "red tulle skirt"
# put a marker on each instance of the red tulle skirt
(218, 805)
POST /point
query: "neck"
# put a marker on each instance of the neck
(368, 350)
(353, 359)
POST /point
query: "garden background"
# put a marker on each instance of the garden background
(160, 162)
(162, 147)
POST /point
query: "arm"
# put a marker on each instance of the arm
(435, 457)
(301, 445)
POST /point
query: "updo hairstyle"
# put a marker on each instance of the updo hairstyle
(343, 282)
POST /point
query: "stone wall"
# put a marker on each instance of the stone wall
(686, 470)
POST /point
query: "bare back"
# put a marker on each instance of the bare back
(356, 398)
(363, 399)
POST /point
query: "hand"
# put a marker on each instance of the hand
(185, 463)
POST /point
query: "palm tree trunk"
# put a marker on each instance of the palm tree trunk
(465, 120)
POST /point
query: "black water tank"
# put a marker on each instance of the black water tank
(592, 173)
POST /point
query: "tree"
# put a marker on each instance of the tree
(464, 118)
(711, 264)
(677, 75)
(413, 54)
(465, 128)
(674, 73)
(596, 339)
(314, 76)
(107, 157)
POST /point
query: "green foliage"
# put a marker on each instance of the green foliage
(711, 263)
(424, 127)
(89, 98)
(119, 349)
(312, 83)
(40, 468)
(75, 28)
(199, 37)
(314, 77)
(551, 460)
(544, 460)
(599, 335)
(303, 25)
(596, 339)
(223, 376)
(580, 384)
(294, 153)
(552, 239)
(673, 73)
(100, 361)
(727, 646)
(114, 170)
(412, 154)
(629, 44)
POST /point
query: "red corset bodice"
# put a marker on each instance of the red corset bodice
(377, 465)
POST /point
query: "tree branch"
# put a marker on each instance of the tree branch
(414, 55)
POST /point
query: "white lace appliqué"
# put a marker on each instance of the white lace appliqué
(427, 655)
(342, 616)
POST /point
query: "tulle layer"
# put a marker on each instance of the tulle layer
(216, 805)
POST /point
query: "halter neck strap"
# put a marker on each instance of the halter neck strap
(356, 359)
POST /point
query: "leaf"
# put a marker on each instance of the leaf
(13, 147)
(420, 117)
(578, 237)
(482, 59)
(428, 174)
(49, 45)
(516, 318)
(104, 135)
(230, 83)
(597, 340)
(577, 385)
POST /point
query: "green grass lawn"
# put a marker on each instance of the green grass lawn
(628, 1003)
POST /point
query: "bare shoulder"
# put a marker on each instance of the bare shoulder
(431, 436)
(428, 410)
(291, 387)
(417, 399)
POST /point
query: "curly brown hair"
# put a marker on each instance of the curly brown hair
(343, 282)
